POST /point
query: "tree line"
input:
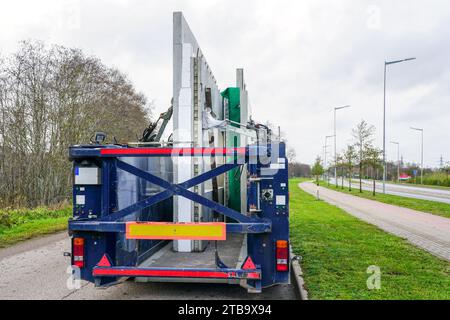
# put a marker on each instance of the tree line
(297, 169)
(52, 97)
(360, 158)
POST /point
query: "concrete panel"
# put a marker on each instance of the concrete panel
(240, 83)
(191, 76)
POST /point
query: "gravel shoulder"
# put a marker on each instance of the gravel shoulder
(37, 270)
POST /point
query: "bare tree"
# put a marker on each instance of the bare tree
(317, 169)
(363, 135)
(291, 155)
(350, 157)
(50, 98)
(297, 170)
(341, 164)
(374, 162)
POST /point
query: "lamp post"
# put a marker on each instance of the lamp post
(326, 147)
(398, 159)
(335, 148)
(325, 152)
(387, 63)
(421, 163)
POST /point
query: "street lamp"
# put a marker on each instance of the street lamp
(335, 152)
(398, 159)
(387, 63)
(325, 150)
(421, 165)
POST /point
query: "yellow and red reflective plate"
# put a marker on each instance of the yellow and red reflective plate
(176, 231)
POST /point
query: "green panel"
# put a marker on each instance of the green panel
(233, 96)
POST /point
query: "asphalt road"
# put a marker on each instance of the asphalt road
(432, 194)
(427, 231)
(37, 270)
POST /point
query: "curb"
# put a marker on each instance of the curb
(297, 275)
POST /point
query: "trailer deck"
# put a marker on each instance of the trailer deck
(232, 253)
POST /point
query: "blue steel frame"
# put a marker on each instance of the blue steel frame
(108, 221)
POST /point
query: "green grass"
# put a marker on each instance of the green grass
(337, 249)
(433, 207)
(22, 224)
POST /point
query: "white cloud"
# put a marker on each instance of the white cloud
(301, 58)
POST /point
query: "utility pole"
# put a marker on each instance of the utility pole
(335, 148)
(387, 63)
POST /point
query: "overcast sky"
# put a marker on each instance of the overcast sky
(302, 58)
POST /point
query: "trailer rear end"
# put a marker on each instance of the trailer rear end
(123, 223)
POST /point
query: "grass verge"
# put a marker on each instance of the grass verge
(338, 249)
(433, 207)
(22, 224)
(419, 185)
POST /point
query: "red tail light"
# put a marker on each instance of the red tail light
(78, 252)
(282, 256)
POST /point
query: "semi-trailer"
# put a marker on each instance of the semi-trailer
(208, 204)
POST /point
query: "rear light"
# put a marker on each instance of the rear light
(282, 256)
(78, 252)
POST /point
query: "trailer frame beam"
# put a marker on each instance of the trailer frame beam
(120, 227)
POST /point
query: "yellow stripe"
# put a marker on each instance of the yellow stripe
(163, 231)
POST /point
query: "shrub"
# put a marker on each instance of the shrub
(14, 217)
(437, 179)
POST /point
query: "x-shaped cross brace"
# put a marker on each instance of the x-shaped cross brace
(180, 190)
